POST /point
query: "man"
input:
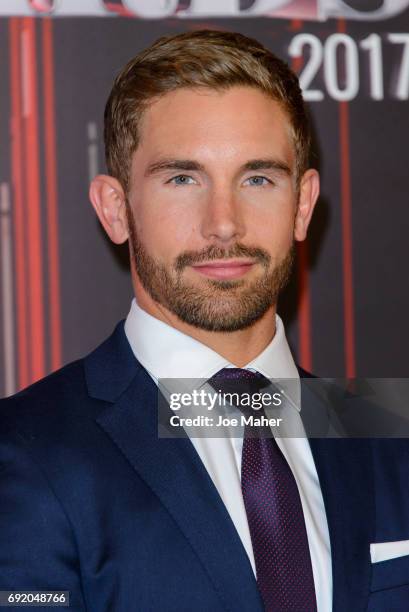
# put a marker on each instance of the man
(207, 146)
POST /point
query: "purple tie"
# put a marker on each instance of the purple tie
(273, 508)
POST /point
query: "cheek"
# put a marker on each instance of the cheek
(163, 229)
(273, 230)
(271, 212)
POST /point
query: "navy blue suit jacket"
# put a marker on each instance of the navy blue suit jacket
(92, 502)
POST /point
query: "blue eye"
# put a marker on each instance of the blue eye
(258, 181)
(182, 179)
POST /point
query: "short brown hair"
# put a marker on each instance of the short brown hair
(202, 58)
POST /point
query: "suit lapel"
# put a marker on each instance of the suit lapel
(172, 469)
(345, 472)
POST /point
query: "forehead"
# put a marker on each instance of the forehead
(240, 121)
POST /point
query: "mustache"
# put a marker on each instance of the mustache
(213, 252)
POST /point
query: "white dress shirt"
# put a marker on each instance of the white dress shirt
(165, 352)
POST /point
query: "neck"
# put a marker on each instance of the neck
(239, 347)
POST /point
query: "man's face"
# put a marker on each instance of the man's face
(212, 204)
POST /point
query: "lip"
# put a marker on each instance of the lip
(224, 269)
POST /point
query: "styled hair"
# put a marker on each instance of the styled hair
(203, 58)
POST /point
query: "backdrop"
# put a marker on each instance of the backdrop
(63, 286)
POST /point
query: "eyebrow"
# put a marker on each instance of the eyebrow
(267, 164)
(173, 164)
(192, 165)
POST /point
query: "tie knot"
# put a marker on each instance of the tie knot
(239, 376)
(236, 374)
(240, 386)
(238, 380)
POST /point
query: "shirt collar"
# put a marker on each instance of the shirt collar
(166, 352)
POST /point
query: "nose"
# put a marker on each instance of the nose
(223, 220)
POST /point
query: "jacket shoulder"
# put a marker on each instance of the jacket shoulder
(56, 398)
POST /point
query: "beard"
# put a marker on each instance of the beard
(216, 305)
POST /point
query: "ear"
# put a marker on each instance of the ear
(309, 192)
(108, 199)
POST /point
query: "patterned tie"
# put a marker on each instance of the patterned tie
(273, 508)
